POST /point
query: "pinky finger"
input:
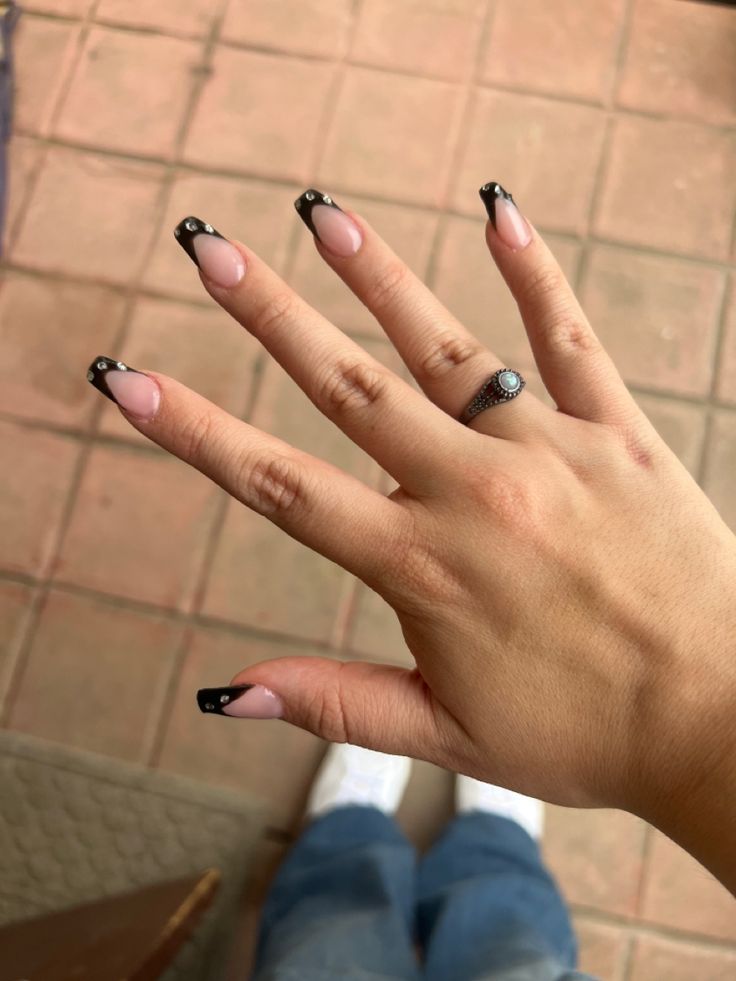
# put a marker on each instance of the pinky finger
(316, 503)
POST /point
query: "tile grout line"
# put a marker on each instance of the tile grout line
(15, 675)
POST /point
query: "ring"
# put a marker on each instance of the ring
(503, 385)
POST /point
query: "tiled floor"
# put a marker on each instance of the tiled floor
(128, 577)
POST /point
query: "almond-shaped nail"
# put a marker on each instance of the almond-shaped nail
(338, 233)
(505, 217)
(218, 259)
(241, 701)
(132, 390)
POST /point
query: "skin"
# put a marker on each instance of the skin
(566, 588)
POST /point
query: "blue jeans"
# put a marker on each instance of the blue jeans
(352, 902)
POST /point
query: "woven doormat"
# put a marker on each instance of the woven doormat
(75, 827)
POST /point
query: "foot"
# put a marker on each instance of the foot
(472, 795)
(350, 776)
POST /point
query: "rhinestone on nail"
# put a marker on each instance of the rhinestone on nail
(224, 699)
(310, 195)
(209, 706)
(177, 232)
(121, 366)
(90, 376)
(327, 199)
(191, 226)
(298, 204)
(100, 366)
(209, 228)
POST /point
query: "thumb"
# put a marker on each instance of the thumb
(379, 706)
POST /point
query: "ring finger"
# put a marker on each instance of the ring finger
(448, 362)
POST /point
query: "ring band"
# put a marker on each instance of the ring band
(503, 385)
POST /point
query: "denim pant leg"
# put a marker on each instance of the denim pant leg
(488, 908)
(342, 904)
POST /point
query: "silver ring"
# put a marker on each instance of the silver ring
(503, 385)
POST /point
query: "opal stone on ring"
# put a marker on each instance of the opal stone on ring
(503, 385)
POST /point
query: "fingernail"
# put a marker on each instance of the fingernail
(330, 224)
(218, 259)
(241, 701)
(505, 217)
(133, 391)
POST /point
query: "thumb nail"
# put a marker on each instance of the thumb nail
(241, 701)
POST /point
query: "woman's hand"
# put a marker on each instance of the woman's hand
(565, 587)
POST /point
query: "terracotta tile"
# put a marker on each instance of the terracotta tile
(37, 473)
(437, 40)
(726, 369)
(409, 232)
(511, 140)
(15, 602)
(51, 331)
(721, 465)
(680, 424)
(657, 959)
(24, 155)
(596, 856)
(99, 227)
(129, 92)
(260, 576)
(139, 527)
(260, 113)
(63, 8)
(271, 760)
(669, 185)
(320, 29)
(680, 61)
(95, 676)
(467, 281)
(562, 48)
(188, 18)
(375, 633)
(602, 949)
(199, 346)
(259, 214)
(655, 316)
(44, 52)
(679, 893)
(375, 113)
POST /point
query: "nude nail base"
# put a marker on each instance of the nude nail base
(187, 230)
(309, 200)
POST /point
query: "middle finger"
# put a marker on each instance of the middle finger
(404, 432)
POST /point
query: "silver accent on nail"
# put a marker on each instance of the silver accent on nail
(100, 366)
(327, 199)
(209, 706)
(310, 196)
(122, 367)
(90, 375)
(209, 228)
(298, 204)
(191, 226)
(224, 699)
(177, 232)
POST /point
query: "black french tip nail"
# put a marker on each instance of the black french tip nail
(307, 201)
(188, 229)
(214, 700)
(489, 194)
(98, 371)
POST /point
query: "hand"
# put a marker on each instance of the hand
(564, 585)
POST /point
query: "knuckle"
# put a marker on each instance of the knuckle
(566, 333)
(542, 283)
(197, 437)
(268, 317)
(272, 486)
(438, 359)
(387, 287)
(352, 385)
(329, 712)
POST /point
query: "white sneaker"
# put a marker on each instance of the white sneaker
(473, 795)
(350, 776)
